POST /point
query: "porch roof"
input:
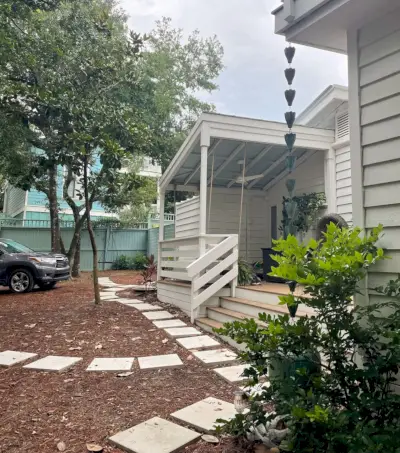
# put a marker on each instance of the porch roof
(229, 139)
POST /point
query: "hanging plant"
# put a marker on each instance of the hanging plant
(308, 209)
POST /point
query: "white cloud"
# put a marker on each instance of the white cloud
(253, 81)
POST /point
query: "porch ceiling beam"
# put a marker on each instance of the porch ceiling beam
(235, 152)
(210, 153)
(269, 169)
(284, 173)
(260, 155)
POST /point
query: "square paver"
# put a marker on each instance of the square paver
(199, 342)
(168, 323)
(53, 363)
(181, 332)
(109, 297)
(216, 356)
(147, 307)
(160, 361)
(9, 358)
(232, 374)
(111, 364)
(158, 315)
(203, 415)
(155, 435)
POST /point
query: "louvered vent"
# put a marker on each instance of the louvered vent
(342, 125)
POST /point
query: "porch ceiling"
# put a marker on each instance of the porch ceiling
(230, 140)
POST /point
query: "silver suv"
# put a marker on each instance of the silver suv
(22, 268)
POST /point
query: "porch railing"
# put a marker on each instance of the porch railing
(207, 262)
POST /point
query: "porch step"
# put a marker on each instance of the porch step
(208, 325)
(250, 308)
(224, 315)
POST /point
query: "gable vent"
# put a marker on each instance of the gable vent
(342, 125)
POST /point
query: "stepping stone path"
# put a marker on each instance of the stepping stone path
(160, 361)
(232, 374)
(111, 364)
(9, 358)
(147, 307)
(156, 435)
(168, 323)
(199, 342)
(181, 332)
(158, 315)
(216, 356)
(53, 363)
(204, 414)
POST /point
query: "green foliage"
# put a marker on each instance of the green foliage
(136, 263)
(245, 272)
(344, 358)
(308, 207)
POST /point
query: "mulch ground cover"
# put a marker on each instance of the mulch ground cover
(40, 409)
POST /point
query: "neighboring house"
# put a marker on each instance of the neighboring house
(368, 31)
(32, 205)
(228, 219)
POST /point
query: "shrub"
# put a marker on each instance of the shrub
(136, 263)
(245, 272)
(344, 359)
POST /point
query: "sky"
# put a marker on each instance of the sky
(252, 83)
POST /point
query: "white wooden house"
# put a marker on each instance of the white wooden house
(225, 219)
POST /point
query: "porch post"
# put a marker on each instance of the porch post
(161, 231)
(330, 180)
(203, 199)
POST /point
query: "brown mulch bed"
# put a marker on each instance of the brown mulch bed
(40, 409)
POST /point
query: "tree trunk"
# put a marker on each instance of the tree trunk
(53, 208)
(91, 234)
(76, 265)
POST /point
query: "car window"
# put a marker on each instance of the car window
(10, 246)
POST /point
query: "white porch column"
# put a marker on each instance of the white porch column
(330, 180)
(203, 198)
(161, 231)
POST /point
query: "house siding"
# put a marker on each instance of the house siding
(187, 218)
(344, 197)
(374, 73)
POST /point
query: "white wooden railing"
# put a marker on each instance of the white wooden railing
(208, 262)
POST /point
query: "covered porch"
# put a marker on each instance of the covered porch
(235, 169)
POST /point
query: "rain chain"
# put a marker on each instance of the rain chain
(290, 138)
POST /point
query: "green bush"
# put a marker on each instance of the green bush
(345, 402)
(137, 262)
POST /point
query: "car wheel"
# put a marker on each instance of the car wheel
(47, 285)
(21, 281)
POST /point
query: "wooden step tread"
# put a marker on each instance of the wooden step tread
(279, 289)
(175, 283)
(234, 314)
(209, 322)
(265, 307)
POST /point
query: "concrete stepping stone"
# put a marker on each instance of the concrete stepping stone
(158, 315)
(160, 361)
(155, 435)
(53, 363)
(129, 301)
(9, 358)
(168, 323)
(232, 374)
(147, 307)
(203, 415)
(109, 297)
(216, 356)
(181, 332)
(199, 342)
(111, 364)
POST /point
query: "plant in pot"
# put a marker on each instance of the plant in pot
(245, 273)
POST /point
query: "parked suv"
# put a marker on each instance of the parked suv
(22, 268)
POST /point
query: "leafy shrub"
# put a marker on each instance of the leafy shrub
(345, 402)
(245, 272)
(136, 263)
